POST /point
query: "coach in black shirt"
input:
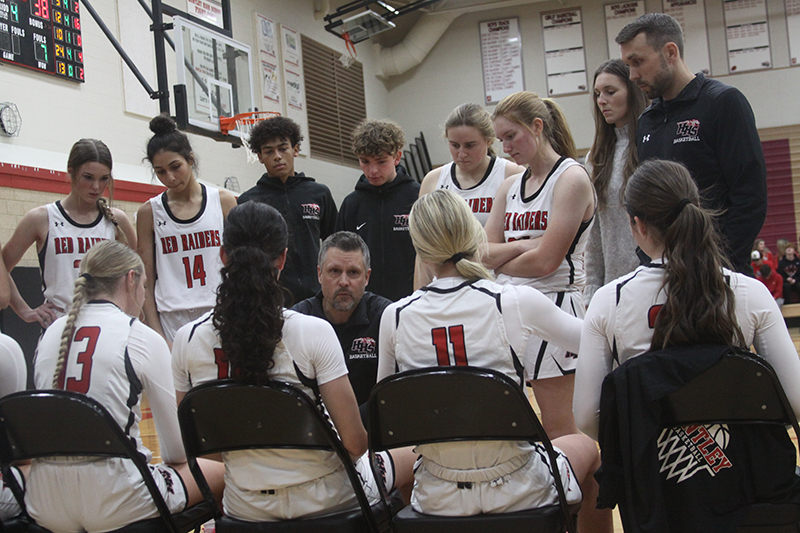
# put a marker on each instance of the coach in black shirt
(343, 270)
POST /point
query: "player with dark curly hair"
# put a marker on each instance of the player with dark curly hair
(252, 338)
(307, 206)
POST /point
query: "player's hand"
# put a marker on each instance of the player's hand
(45, 314)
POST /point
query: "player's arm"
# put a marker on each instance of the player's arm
(146, 249)
(386, 344)
(151, 358)
(126, 226)
(340, 400)
(741, 160)
(497, 251)
(512, 169)
(32, 229)
(429, 182)
(5, 286)
(573, 203)
(594, 362)
(227, 201)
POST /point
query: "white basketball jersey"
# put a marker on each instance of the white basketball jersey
(438, 326)
(67, 242)
(481, 196)
(98, 364)
(187, 254)
(527, 217)
(310, 346)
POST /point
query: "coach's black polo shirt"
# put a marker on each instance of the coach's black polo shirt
(358, 337)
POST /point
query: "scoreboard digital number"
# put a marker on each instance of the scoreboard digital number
(43, 35)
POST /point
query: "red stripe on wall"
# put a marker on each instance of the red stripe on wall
(780, 222)
(45, 180)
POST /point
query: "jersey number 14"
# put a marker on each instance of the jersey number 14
(195, 271)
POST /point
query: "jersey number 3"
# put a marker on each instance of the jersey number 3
(84, 359)
(439, 337)
(197, 271)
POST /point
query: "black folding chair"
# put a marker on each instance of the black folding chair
(741, 389)
(455, 404)
(224, 416)
(49, 423)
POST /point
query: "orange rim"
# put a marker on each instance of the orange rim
(226, 124)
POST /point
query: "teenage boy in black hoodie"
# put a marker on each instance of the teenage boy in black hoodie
(378, 209)
(306, 205)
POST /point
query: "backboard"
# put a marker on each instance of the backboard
(214, 77)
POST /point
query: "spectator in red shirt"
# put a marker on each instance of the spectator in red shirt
(772, 280)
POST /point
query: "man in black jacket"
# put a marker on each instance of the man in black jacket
(354, 313)
(307, 206)
(378, 209)
(704, 124)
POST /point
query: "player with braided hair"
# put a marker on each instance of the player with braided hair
(65, 230)
(252, 338)
(102, 350)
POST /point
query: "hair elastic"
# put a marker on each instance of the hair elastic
(87, 277)
(457, 257)
(679, 208)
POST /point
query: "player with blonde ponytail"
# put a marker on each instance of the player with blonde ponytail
(464, 318)
(537, 234)
(100, 349)
(65, 230)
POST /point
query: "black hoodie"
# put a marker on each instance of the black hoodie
(380, 216)
(310, 213)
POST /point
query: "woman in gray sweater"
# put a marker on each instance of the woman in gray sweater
(611, 252)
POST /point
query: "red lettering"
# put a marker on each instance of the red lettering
(544, 220)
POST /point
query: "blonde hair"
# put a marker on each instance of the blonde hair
(474, 116)
(101, 270)
(443, 229)
(524, 107)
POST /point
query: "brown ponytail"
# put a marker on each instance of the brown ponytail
(700, 305)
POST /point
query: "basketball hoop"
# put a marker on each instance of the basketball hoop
(350, 57)
(243, 124)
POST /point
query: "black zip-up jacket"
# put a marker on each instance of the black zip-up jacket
(710, 128)
(380, 216)
(310, 213)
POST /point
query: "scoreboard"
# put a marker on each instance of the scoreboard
(43, 35)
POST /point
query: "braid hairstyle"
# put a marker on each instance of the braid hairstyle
(601, 154)
(102, 205)
(95, 151)
(700, 306)
(249, 312)
(524, 107)
(102, 268)
(476, 117)
(442, 225)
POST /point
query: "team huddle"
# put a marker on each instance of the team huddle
(487, 263)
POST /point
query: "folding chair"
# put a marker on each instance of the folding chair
(37, 424)
(460, 403)
(224, 416)
(741, 389)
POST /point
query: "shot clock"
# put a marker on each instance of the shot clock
(43, 35)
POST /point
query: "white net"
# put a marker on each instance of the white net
(346, 60)
(244, 126)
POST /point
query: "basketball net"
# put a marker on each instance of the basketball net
(350, 57)
(243, 124)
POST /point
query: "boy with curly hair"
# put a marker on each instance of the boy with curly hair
(307, 206)
(378, 208)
